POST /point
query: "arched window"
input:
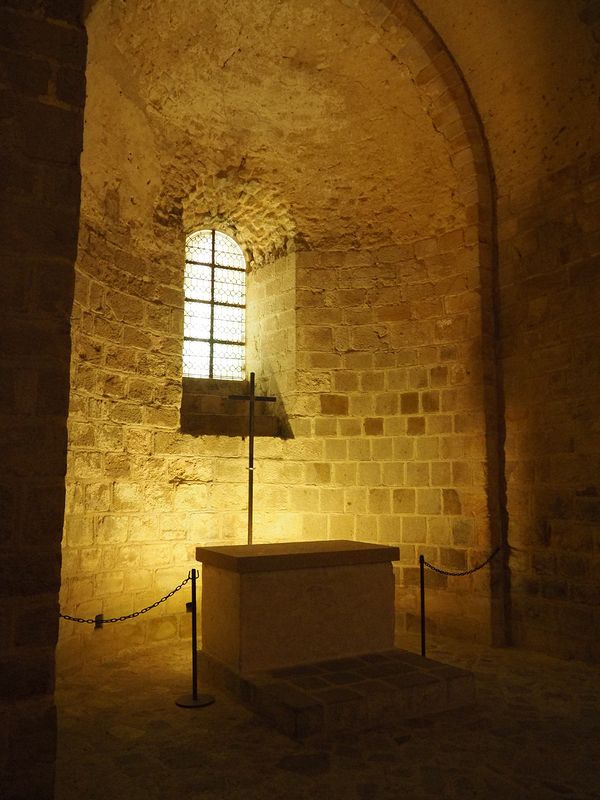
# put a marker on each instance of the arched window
(214, 333)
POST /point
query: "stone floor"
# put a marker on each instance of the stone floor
(534, 733)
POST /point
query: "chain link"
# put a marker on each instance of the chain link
(467, 571)
(134, 613)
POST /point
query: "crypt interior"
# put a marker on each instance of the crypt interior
(415, 188)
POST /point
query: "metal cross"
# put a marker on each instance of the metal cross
(252, 399)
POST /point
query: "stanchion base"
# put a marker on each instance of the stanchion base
(189, 701)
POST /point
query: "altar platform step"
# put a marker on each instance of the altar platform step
(357, 693)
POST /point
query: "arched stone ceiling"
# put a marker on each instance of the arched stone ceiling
(283, 120)
(533, 67)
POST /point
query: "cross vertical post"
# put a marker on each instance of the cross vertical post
(252, 399)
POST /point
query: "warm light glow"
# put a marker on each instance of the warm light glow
(215, 307)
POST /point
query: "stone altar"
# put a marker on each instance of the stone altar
(303, 633)
(266, 606)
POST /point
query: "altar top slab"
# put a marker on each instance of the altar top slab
(295, 555)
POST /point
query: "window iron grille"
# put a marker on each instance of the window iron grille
(214, 333)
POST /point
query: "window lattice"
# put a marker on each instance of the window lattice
(215, 307)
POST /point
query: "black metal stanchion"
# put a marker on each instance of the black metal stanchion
(194, 700)
(422, 582)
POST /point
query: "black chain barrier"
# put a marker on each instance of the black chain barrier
(423, 564)
(193, 700)
(467, 571)
(99, 619)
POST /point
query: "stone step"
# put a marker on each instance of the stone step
(357, 693)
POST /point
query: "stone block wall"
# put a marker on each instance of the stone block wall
(387, 385)
(542, 123)
(42, 87)
(379, 354)
(549, 229)
(271, 326)
(384, 403)
(391, 381)
(125, 540)
(144, 489)
(209, 407)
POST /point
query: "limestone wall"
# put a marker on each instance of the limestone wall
(387, 439)
(271, 326)
(348, 141)
(544, 148)
(391, 367)
(368, 313)
(42, 55)
(551, 247)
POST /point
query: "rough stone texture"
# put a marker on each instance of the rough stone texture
(368, 312)
(368, 691)
(279, 556)
(282, 617)
(271, 329)
(41, 135)
(316, 139)
(532, 733)
(207, 408)
(547, 168)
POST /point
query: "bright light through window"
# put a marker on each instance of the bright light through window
(214, 333)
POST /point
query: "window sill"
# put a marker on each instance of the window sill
(206, 410)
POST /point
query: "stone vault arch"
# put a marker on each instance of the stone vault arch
(363, 194)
